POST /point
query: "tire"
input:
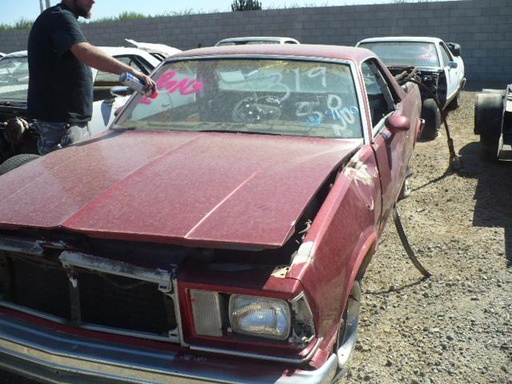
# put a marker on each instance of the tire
(347, 335)
(488, 120)
(432, 116)
(16, 161)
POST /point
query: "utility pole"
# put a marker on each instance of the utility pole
(47, 2)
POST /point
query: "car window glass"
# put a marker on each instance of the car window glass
(445, 53)
(380, 96)
(279, 97)
(14, 78)
(106, 77)
(396, 53)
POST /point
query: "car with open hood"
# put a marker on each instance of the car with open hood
(439, 70)
(218, 231)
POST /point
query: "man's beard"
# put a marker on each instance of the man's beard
(81, 11)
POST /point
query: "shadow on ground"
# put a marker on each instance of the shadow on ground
(493, 202)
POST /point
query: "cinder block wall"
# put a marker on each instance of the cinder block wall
(480, 26)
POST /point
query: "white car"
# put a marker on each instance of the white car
(440, 69)
(160, 51)
(257, 40)
(14, 88)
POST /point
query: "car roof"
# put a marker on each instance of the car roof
(426, 39)
(242, 39)
(334, 52)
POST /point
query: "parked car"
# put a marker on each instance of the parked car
(16, 135)
(257, 40)
(160, 51)
(440, 70)
(493, 122)
(216, 233)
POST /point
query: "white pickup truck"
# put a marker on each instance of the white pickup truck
(440, 69)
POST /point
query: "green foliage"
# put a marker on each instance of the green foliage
(246, 5)
(125, 16)
(20, 24)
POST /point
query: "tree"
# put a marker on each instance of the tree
(246, 5)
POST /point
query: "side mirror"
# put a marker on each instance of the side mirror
(454, 48)
(398, 123)
(453, 64)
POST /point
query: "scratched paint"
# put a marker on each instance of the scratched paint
(358, 171)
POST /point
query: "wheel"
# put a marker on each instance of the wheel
(16, 161)
(488, 119)
(347, 335)
(432, 116)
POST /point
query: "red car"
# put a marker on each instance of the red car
(218, 232)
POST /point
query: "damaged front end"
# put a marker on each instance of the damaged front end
(121, 312)
(432, 83)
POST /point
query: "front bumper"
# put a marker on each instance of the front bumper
(56, 357)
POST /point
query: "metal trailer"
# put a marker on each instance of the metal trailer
(493, 122)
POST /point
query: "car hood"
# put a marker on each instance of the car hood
(201, 189)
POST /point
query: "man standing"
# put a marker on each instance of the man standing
(60, 93)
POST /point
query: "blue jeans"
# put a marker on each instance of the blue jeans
(53, 136)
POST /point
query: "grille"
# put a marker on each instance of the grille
(95, 297)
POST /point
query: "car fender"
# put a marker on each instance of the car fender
(322, 257)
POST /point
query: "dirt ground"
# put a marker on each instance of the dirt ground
(456, 326)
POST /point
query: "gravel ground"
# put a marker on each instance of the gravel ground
(456, 326)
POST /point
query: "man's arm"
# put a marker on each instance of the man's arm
(97, 58)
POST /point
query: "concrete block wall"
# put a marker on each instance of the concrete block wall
(480, 26)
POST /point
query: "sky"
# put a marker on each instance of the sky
(12, 11)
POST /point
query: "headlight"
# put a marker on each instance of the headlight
(259, 316)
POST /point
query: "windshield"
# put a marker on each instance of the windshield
(395, 53)
(14, 78)
(282, 97)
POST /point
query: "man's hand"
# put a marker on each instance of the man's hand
(149, 84)
(97, 58)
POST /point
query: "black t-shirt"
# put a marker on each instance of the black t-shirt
(60, 86)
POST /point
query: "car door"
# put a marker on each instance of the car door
(391, 149)
(452, 71)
